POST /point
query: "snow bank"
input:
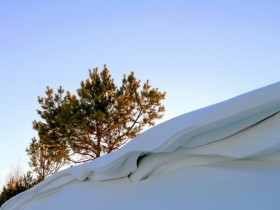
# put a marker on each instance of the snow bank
(225, 156)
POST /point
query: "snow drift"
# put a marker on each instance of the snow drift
(225, 156)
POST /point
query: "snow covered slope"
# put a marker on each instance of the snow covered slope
(225, 156)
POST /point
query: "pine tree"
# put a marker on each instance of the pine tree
(98, 120)
(44, 160)
(16, 184)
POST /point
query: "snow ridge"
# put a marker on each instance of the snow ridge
(237, 129)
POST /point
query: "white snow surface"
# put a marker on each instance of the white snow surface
(225, 156)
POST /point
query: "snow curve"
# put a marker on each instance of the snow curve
(241, 128)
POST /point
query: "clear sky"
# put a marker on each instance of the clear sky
(199, 51)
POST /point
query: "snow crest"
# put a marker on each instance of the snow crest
(241, 128)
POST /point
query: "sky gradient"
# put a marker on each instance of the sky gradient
(199, 52)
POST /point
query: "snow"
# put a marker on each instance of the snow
(225, 156)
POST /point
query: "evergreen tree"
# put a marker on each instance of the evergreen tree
(98, 120)
(44, 160)
(15, 185)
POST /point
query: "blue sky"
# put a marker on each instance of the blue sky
(200, 52)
